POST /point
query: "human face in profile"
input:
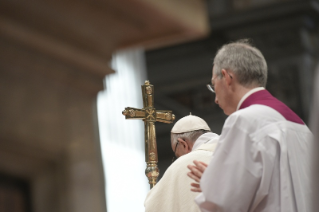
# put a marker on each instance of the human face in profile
(219, 85)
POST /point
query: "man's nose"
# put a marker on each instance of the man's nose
(216, 99)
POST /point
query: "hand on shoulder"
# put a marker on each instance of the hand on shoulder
(196, 172)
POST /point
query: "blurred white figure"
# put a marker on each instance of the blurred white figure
(122, 141)
(314, 124)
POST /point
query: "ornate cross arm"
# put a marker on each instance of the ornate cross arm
(149, 115)
(164, 116)
(134, 113)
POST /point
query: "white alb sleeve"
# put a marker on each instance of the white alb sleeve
(231, 180)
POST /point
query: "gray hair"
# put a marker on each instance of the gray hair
(246, 61)
(191, 136)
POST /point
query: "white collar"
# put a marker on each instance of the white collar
(206, 138)
(248, 94)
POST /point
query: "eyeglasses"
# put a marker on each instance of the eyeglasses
(174, 157)
(211, 87)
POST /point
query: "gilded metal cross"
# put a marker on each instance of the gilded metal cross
(149, 115)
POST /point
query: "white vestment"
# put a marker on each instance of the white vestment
(262, 163)
(172, 193)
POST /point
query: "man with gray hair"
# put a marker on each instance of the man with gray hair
(191, 139)
(262, 162)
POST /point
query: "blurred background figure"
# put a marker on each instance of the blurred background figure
(54, 57)
(314, 125)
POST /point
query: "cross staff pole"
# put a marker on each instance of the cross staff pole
(149, 115)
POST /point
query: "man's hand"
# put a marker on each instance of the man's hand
(196, 173)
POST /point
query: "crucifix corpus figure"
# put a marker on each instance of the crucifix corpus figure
(149, 115)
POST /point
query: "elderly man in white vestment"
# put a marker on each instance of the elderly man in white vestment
(262, 162)
(191, 139)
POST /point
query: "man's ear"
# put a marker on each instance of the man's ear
(226, 76)
(186, 145)
(183, 143)
(223, 72)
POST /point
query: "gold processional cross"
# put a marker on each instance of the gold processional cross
(149, 115)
